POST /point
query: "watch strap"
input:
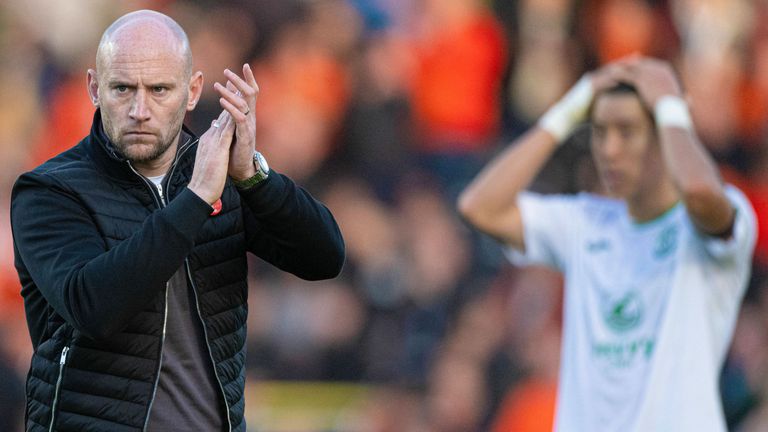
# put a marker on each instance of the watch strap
(262, 172)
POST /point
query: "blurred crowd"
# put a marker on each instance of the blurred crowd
(385, 109)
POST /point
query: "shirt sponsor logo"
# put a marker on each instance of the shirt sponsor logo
(622, 354)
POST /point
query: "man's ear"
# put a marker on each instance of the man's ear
(93, 87)
(195, 90)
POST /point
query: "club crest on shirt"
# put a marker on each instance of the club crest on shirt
(623, 313)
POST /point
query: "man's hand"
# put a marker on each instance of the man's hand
(571, 109)
(212, 160)
(604, 77)
(653, 78)
(238, 97)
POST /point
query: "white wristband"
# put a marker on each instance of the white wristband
(672, 111)
(562, 118)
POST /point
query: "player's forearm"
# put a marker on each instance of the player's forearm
(693, 171)
(697, 179)
(490, 201)
(494, 191)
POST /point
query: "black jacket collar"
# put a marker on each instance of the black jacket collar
(108, 158)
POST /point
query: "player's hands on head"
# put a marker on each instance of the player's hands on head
(604, 77)
(570, 111)
(653, 78)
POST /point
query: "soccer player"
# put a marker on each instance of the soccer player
(655, 270)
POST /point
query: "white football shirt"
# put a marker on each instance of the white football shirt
(649, 310)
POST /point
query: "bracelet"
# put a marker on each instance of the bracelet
(672, 111)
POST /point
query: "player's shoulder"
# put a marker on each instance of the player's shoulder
(582, 205)
(744, 209)
(736, 195)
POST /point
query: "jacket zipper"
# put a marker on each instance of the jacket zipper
(62, 362)
(159, 363)
(165, 310)
(208, 345)
(161, 203)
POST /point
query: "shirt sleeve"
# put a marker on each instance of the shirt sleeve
(744, 234)
(96, 289)
(290, 229)
(548, 222)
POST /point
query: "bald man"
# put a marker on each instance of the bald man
(131, 246)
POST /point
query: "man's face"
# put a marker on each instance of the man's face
(143, 93)
(624, 144)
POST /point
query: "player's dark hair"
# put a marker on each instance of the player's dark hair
(621, 88)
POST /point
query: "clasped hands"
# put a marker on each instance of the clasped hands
(226, 148)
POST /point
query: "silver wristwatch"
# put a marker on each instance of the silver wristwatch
(262, 172)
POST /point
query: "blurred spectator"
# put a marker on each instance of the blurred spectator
(377, 136)
(534, 337)
(456, 395)
(220, 37)
(20, 114)
(304, 87)
(544, 62)
(626, 27)
(11, 395)
(713, 35)
(375, 266)
(309, 330)
(65, 35)
(69, 111)
(461, 56)
(388, 409)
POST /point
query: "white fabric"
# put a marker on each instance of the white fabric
(649, 310)
(672, 111)
(157, 180)
(566, 114)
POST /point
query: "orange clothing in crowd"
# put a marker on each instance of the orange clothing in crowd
(529, 407)
(457, 85)
(753, 110)
(11, 304)
(616, 29)
(69, 120)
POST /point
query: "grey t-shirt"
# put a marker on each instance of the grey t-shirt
(188, 396)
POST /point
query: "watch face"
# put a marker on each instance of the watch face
(261, 162)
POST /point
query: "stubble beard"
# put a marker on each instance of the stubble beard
(159, 148)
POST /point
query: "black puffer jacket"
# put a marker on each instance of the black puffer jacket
(95, 244)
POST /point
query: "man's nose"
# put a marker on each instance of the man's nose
(612, 145)
(140, 108)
